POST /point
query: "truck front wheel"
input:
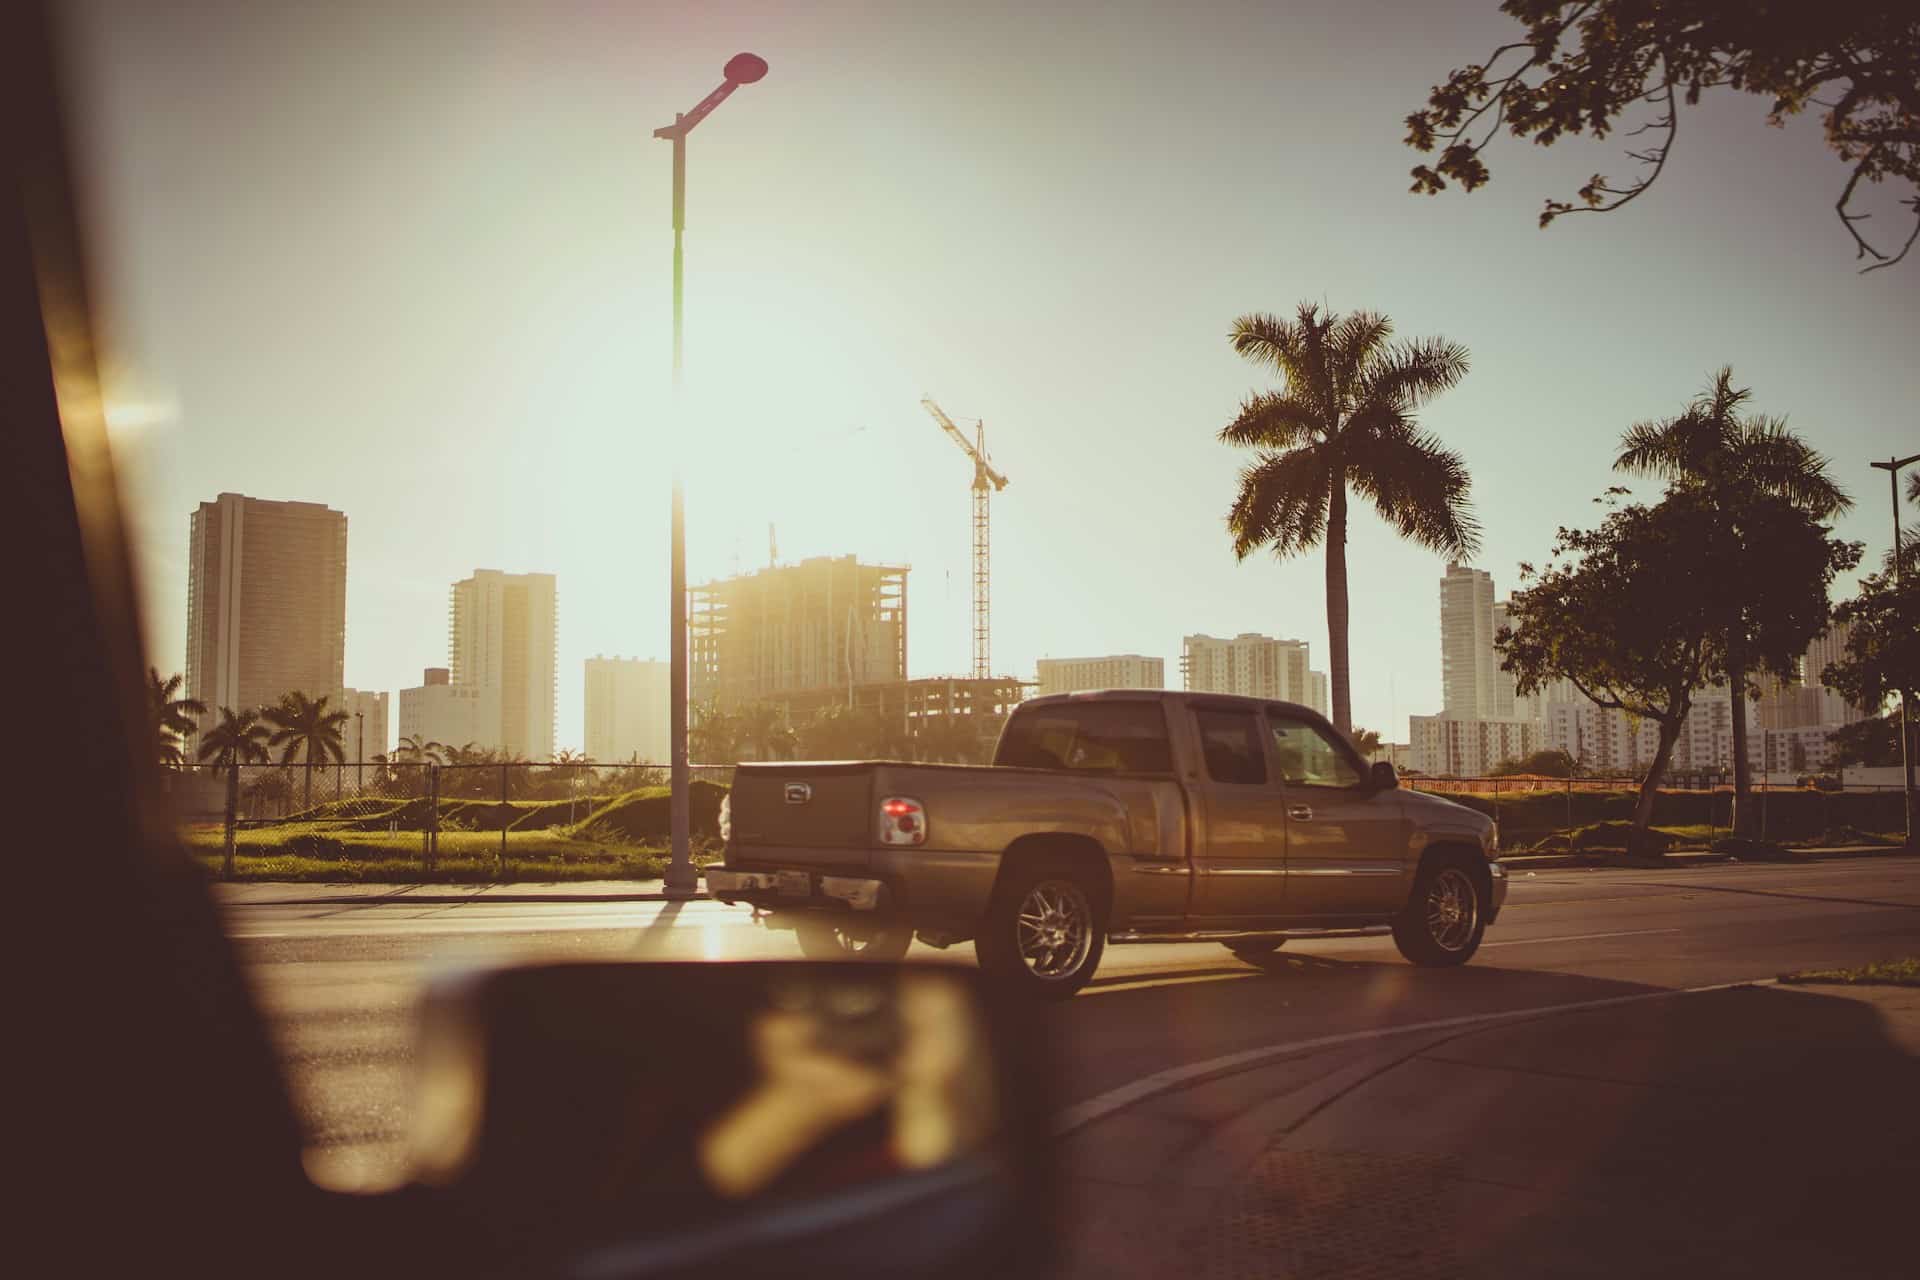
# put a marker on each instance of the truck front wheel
(1446, 916)
(1044, 932)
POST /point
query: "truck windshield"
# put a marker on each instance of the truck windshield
(1104, 737)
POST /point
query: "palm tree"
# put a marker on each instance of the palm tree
(1344, 420)
(715, 735)
(239, 738)
(306, 730)
(1711, 448)
(763, 730)
(414, 749)
(170, 718)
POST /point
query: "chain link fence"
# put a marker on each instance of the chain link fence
(479, 820)
(1560, 815)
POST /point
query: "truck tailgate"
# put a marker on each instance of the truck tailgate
(825, 807)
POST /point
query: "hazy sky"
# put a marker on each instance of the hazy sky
(414, 263)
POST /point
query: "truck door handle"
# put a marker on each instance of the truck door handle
(1300, 813)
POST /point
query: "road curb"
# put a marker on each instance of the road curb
(1558, 861)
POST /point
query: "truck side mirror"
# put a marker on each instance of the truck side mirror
(1381, 777)
(741, 1120)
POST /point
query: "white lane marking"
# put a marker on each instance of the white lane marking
(1575, 937)
(1100, 1106)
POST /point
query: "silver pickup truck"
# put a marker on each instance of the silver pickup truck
(1122, 816)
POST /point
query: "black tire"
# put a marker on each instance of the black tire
(1254, 948)
(1446, 915)
(1053, 951)
(828, 938)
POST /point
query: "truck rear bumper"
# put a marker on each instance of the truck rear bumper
(797, 888)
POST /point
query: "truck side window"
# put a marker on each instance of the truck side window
(1307, 757)
(1230, 743)
(1095, 737)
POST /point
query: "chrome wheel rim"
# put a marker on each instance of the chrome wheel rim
(1453, 910)
(1055, 929)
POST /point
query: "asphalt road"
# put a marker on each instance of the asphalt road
(339, 982)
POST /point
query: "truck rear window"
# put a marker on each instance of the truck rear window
(1099, 737)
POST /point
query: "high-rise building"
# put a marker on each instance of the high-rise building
(364, 736)
(502, 636)
(1255, 665)
(627, 709)
(1472, 685)
(1468, 747)
(453, 715)
(1118, 671)
(266, 601)
(825, 623)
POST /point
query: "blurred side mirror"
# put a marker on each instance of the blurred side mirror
(740, 1119)
(1381, 776)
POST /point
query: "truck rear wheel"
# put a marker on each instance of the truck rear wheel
(1446, 916)
(831, 939)
(1044, 932)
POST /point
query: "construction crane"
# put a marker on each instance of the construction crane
(985, 481)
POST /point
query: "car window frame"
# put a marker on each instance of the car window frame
(1338, 740)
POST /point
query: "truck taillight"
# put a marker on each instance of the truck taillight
(902, 821)
(726, 816)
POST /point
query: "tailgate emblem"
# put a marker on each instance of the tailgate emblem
(799, 793)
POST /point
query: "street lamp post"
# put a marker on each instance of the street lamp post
(1892, 467)
(742, 68)
(360, 756)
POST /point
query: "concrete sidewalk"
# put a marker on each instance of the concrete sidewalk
(1749, 1132)
(280, 893)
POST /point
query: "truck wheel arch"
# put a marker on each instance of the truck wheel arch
(1454, 849)
(1083, 853)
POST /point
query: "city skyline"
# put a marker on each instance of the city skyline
(352, 364)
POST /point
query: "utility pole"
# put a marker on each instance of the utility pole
(742, 68)
(360, 756)
(1892, 467)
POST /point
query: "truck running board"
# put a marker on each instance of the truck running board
(1236, 935)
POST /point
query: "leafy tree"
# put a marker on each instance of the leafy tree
(306, 731)
(714, 737)
(764, 732)
(170, 717)
(1343, 420)
(852, 733)
(1366, 742)
(949, 740)
(1591, 66)
(239, 738)
(1731, 459)
(1873, 742)
(1552, 763)
(1883, 653)
(1631, 613)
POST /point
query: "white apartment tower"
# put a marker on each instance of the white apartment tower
(502, 636)
(1117, 671)
(1473, 687)
(1255, 665)
(627, 708)
(364, 736)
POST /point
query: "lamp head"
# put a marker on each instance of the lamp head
(745, 68)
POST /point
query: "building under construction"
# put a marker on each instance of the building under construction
(827, 632)
(822, 624)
